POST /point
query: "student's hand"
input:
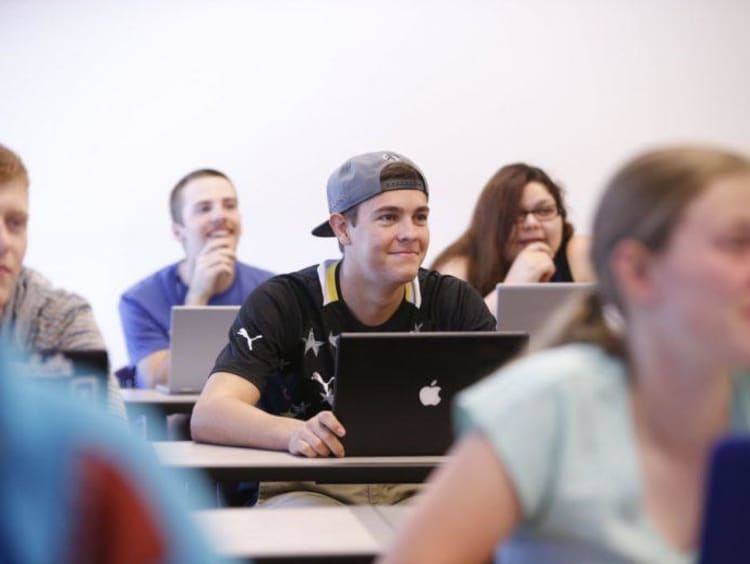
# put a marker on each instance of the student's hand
(318, 436)
(213, 266)
(533, 264)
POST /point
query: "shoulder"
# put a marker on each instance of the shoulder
(452, 304)
(457, 265)
(156, 282)
(558, 378)
(60, 319)
(439, 285)
(577, 251)
(440, 279)
(52, 299)
(253, 273)
(538, 415)
(289, 286)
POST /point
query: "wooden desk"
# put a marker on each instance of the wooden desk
(153, 406)
(224, 463)
(355, 533)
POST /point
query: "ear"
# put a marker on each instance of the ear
(632, 264)
(178, 231)
(340, 227)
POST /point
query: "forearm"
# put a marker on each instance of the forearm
(152, 369)
(231, 421)
(195, 297)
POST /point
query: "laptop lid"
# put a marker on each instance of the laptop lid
(198, 335)
(393, 391)
(82, 374)
(530, 307)
(725, 535)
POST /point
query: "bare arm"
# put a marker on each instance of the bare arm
(456, 266)
(579, 259)
(152, 369)
(469, 507)
(226, 413)
(535, 263)
(213, 271)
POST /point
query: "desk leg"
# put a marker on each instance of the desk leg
(150, 425)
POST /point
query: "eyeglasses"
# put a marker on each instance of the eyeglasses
(544, 213)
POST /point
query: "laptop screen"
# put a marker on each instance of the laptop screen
(198, 334)
(530, 307)
(82, 374)
(393, 391)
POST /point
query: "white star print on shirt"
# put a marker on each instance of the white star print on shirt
(311, 343)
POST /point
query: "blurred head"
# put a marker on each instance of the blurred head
(671, 245)
(14, 215)
(204, 205)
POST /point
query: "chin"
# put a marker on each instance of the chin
(407, 275)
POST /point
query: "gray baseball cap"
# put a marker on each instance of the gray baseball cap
(358, 179)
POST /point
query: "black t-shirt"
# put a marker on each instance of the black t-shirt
(284, 338)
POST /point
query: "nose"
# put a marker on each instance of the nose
(218, 213)
(528, 219)
(407, 230)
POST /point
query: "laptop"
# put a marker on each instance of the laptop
(393, 391)
(82, 374)
(531, 307)
(198, 335)
(725, 537)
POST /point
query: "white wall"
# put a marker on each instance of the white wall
(110, 102)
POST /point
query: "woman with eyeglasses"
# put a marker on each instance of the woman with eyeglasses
(596, 450)
(519, 233)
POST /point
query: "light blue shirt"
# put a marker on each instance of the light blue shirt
(560, 421)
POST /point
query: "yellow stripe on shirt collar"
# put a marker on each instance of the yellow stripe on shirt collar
(413, 293)
(327, 279)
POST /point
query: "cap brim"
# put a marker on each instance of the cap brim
(323, 230)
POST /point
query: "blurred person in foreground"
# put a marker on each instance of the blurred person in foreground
(597, 450)
(77, 487)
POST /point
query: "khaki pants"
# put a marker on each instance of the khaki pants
(312, 494)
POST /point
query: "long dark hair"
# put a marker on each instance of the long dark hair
(485, 241)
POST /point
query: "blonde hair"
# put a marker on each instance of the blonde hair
(11, 167)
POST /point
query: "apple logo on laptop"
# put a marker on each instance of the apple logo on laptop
(430, 395)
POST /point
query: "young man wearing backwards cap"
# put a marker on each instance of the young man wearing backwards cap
(282, 344)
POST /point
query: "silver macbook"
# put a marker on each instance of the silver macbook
(530, 307)
(198, 334)
(393, 391)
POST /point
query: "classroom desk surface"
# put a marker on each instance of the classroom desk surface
(356, 533)
(173, 403)
(234, 463)
(151, 407)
